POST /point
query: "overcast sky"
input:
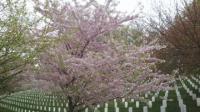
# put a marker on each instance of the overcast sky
(148, 5)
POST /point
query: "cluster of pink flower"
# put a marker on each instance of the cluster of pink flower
(89, 69)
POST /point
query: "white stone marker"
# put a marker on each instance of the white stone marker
(183, 108)
(116, 109)
(86, 109)
(130, 109)
(95, 109)
(137, 104)
(54, 109)
(132, 100)
(164, 103)
(59, 109)
(115, 104)
(105, 109)
(106, 105)
(65, 110)
(145, 109)
(123, 99)
(150, 104)
(153, 99)
(98, 106)
(180, 102)
(146, 95)
(198, 102)
(53, 103)
(162, 109)
(126, 104)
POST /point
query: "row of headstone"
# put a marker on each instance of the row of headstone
(33, 108)
(190, 92)
(182, 106)
(193, 95)
(38, 98)
(197, 81)
(126, 104)
(22, 102)
(30, 103)
(164, 102)
(192, 84)
(35, 105)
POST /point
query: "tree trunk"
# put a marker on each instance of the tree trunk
(71, 105)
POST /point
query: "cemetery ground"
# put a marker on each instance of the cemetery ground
(185, 97)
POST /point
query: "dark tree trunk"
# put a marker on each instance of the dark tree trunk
(71, 104)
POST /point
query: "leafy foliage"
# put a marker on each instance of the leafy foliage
(18, 48)
(181, 36)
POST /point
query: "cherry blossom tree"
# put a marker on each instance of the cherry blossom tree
(89, 67)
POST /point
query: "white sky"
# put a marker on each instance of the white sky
(148, 5)
(128, 5)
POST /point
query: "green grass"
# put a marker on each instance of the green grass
(40, 102)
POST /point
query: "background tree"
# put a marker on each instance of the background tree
(18, 47)
(128, 34)
(181, 35)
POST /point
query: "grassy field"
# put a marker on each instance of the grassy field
(35, 101)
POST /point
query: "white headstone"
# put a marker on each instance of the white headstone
(150, 104)
(106, 109)
(98, 106)
(145, 109)
(137, 104)
(183, 108)
(126, 104)
(65, 110)
(194, 96)
(180, 102)
(115, 104)
(130, 109)
(116, 109)
(153, 99)
(106, 105)
(86, 109)
(198, 102)
(54, 109)
(59, 109)
(162, 109)
(164, 103)
(123, 99)
(146, 95)
(95, 109)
